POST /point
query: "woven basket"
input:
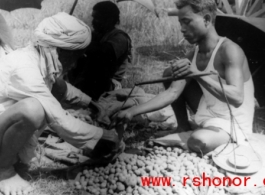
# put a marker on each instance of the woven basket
(259, 121)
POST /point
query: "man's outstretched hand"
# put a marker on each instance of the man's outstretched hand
(122, 117)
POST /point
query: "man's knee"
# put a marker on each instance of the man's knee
(207, 139)
(30, 110)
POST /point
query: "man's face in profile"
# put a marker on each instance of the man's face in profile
(192, 24)
(99, 23)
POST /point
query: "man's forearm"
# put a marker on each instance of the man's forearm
(160, 101)
(76, 96)
(234, 95)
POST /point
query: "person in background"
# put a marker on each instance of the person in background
(227, 61)
(106, 58)
(30, 86)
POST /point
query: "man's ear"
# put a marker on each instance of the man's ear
(207, 19)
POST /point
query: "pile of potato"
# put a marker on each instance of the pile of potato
(124, 176)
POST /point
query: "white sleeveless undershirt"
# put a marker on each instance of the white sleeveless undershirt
(211, 107)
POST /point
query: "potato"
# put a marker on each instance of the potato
(79, 187)
(96, 180)
(161, 191)
(168, 190)
(103, 185)
(110, 191)
(133, 181)
(149, 168)
(90, 181)
(103, 191)
(129, 190)
(142, 191)
(120, 186)
(157, 169)
(157, 152)
(171, 167)
(143, 173)
(95, 191)
(134, 167)
(137, 172)
(133, 162)
(114, 186)
(153, 173)
(106, 171)
(118, 170)
(140, 163)
(129, 167)
(124, 176)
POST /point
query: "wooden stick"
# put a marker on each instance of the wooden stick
(73, 7)
(174, 78)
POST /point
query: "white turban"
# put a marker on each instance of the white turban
(59, 31)
(64, 31)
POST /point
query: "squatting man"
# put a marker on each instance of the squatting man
(31, 84)
(205, 96)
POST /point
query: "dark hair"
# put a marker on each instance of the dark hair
(200, 6)
(108, 10)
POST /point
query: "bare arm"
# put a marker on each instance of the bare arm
(233, 59)
(161, 100)
(165, 98)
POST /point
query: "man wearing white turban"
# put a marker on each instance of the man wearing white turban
(29, 78)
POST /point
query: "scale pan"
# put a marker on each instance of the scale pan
(237, 159)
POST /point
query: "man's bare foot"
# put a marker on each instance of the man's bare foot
(15, 186)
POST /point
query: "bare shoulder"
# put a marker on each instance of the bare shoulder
(228, 44)
(233, 57)
(230, 51)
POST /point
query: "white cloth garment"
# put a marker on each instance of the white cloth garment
(64, 31)
(4, 49)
